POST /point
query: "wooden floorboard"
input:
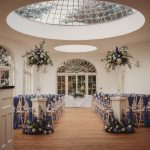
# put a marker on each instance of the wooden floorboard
(81, 129)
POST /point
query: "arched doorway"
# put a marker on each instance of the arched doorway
(76, 75)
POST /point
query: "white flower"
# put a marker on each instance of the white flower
(123, 129)
(114, 57)
(33, 130)
(129, 126)
(50, 131)
(48, 126)
(45, 132)
(117, 126)
(119, 61)
(41, 56)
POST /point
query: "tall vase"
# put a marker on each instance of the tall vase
(40, 71)
(120, 80)
(39, 75)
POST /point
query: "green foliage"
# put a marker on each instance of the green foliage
(118, 57)
(38, 56)
(114, 126)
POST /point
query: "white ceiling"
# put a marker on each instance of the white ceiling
(89, 32)
(139, 36)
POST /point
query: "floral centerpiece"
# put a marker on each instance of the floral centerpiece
(38, 125)
(78, 95)
(118, 57)
(114, 126)
(38, 56)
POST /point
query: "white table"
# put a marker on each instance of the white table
(86, 101)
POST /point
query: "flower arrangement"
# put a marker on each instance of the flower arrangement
(78, 95)
(118, 57)
(38, 125)
(38, 56)
(114, 126)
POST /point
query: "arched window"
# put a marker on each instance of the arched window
(6, 68)
(76, 75)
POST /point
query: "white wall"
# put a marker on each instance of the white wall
(17, 49)
(137, 80)
(49, 79)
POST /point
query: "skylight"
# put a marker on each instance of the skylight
(74, 12)
(75, 19)
(75, 48)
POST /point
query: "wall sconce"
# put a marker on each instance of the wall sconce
(137, 64)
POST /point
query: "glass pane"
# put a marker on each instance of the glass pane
(94, 78)
(69, 78)
(91, 84)
(59, 79)
(79, 78)
(4, 80)
(63, 78)
(81, 84)
(61, 84)
(71, 84)
(75, 12)
(90, 91)
(63, 92)
(5, 57)
(89, 79)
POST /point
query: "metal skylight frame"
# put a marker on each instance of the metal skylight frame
(74, 12)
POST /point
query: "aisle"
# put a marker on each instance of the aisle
(81, 129)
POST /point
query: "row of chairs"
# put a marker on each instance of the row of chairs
(137, 108)
(55, 107)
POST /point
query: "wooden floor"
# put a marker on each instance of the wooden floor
(81, 129)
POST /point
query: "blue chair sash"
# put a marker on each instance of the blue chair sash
(146, 113)
(15, 103)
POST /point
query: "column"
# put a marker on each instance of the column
(38, 103)
(118, 105)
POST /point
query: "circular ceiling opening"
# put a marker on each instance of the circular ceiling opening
(75, 20)
(75, 12)
(75, 48)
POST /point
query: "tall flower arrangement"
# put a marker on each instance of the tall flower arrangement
(38, 56)
(118, 57)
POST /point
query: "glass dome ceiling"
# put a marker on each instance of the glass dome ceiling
(74, 12)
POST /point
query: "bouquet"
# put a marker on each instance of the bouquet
(38, 56)
(118, 57)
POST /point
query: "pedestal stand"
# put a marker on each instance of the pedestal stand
(118, 105)
(120, 79)
(38, 104)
